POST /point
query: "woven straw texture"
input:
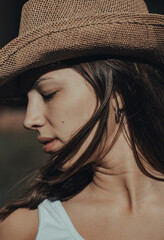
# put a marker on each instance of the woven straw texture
(55, 30)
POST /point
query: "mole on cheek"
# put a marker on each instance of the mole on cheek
(62, 121)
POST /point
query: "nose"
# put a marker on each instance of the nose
(34, 117)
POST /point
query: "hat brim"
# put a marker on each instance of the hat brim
(124, 35)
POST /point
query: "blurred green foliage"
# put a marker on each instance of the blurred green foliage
(20, 152)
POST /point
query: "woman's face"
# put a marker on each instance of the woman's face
(59, 104)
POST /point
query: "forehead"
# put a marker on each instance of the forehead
(27, 80)
(58, 76)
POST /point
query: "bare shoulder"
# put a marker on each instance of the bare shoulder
(21, 224)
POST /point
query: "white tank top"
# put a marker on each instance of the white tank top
(54, 222)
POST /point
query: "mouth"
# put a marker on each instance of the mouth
(49, 143)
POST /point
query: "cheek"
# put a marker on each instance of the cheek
(81, 109)
(74, 112)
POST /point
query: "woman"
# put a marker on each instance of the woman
(94, 82)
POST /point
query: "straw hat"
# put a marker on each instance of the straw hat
(56, 30)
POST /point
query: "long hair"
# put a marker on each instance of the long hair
(141, 86)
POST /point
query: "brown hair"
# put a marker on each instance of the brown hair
(141, 86)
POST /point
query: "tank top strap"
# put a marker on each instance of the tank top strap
(54, 222)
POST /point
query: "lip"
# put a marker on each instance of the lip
(49, 143)
(45, 140)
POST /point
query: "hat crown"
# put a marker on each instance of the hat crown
(38, 12)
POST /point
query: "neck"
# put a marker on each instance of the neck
(119, 179)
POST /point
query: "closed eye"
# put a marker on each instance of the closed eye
(49, 96)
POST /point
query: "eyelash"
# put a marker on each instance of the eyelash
(49, 96)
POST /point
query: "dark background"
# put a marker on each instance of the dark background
(19, 149)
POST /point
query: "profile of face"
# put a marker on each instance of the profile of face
(59, 104)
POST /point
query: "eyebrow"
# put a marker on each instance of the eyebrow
(42, 79)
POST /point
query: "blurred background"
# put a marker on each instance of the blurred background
(19, 148)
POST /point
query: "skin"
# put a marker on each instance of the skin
(121, 203)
